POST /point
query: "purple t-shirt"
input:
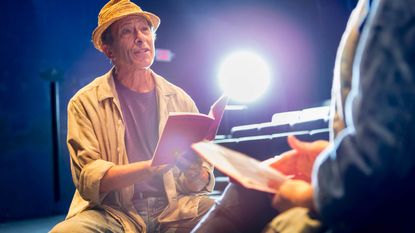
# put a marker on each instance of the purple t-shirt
(141, 132)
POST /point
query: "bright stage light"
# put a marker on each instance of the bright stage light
(244, 76)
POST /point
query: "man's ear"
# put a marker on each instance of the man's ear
(108, 51)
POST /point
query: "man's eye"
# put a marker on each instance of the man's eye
(126, 31)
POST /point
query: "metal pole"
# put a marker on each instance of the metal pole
(54, 94)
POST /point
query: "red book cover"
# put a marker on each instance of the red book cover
(182, 129)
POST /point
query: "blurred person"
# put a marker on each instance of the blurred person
(361, 180)
(113, 128)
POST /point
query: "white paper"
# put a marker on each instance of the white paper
(246, 170)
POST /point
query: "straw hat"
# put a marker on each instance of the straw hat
(115, 10)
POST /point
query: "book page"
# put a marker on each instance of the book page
(216, 112)
(248, 171)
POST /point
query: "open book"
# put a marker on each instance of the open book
(184, 128)
(245, 170)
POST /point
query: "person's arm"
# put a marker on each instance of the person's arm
(120, 176)
(374, 157)
(87, 165)
(93, 176)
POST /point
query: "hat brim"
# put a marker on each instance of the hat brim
(97, 33)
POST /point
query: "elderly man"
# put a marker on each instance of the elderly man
(113, 128)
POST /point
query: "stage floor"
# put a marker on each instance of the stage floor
(39, 225)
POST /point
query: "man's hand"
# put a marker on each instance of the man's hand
(195, 175)
(160, 170)
(300, 160)
(293, 193)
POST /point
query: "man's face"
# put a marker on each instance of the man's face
(133, 43)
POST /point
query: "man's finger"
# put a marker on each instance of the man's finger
(296, 144)
(282, 158)
(161, 169)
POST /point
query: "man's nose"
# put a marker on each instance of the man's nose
(138, 39)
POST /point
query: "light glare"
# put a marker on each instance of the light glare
(244, 76)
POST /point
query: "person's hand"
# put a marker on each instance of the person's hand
(188, 161)
(299, 161)
(161, 169)
(293, 193)
(195, 175)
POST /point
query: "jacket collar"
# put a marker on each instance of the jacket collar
(107, 88)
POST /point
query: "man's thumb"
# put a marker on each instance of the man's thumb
(296, 144)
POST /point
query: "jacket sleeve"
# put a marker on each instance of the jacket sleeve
(372, 160)
(180, 179)
(86, 164)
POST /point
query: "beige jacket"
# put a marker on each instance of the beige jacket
(96, 142)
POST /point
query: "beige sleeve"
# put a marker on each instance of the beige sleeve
(180, 179)
(87, 166)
